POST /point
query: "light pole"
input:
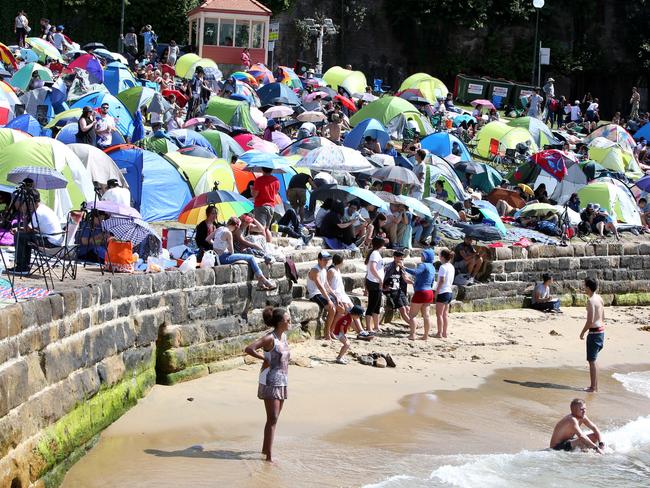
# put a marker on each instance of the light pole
(538, 4)
(320, 29)
(120, 44)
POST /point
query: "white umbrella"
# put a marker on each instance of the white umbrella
(441, 208)
(415, 205)
(312, 117)
(366, 97)
(335, 158)
(277, 112)
(383, 160)
(396, 174)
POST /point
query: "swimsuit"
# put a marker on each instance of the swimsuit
(563, 446)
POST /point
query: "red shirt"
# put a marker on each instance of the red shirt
(342, 324)
(268, 187)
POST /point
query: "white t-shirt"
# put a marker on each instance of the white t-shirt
(312, 289)
(104, 130)
(45, 220)
(544, 292)
(155, 118)
(118, 195)
(575, 112)
(375, 257)
(21, 21)
(447, 272)
(593, 107)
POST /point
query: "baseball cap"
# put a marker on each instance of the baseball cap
(324, 255)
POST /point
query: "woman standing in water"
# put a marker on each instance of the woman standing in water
(273, 376)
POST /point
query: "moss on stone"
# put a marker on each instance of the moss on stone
(187, 374)
(627, 299)
(60, 442)
(54, 478)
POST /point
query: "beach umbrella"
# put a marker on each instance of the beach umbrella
(441, 208)
(28, 55)
(280, 139)
(113, 208)
(181, 99)
(382, 160)
(245, 77)
(366, 97)
(89, 63)
(44, 178)
(312, 116)
(23, 76)
(289, 77)
(467, 118)
(128, 229)
(250, 142)
(335, 158)
(7, 57)
(65, 117)
(554, 162)
(268, 93)
(348, 193)
(261, 73)
(482, 103)
(511, 197)
(469, 167)
(44, 49)
(490, 215)
(257, 159)
(304, 146)
(396, 174)
(228, 204)
(310, 97)
(415, 205)
(346, 102)
(536, 210)
(277, 112)
(215, 121)
(91, 46)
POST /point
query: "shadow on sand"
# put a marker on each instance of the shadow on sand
(535, 384)
(199, 452)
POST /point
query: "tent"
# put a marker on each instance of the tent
(616, 134)
(27, 124)
(8, 136)
(118, 77)
(135, 97)
(430, 87)
(561, 191)
(268, 93)
(386, 110)
(187, 64)
(352, 81)
(506, 137)
(439, 169)
(442, 144)
(232, 112)
(609, 154)
(49, 153)
(195, 168)
(116, 109)
(68, 135)
(158, 189)
(542, 135)
(615, 197)
(99, 164)
(369, 127)
(488, 180)
(160, 145)
(187, 137)
(644, 132)
(224, 146)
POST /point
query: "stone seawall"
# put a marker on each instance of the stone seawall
(73, 363)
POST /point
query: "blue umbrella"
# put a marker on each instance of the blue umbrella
(369, 127)
(28, 55)
(258, 159)
(490, 215)
(459, 119)
(276, 90)
(26, 123)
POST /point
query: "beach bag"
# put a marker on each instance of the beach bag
(209, 260)
(119, 256)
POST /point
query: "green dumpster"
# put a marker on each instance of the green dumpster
(500, 92)
(468, 88)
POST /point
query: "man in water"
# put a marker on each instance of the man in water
(567, 434)
(595, 324)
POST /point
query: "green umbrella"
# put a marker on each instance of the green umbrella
(22, 77)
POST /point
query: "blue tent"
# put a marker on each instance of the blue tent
(26, 123)
(441, 144)
(644, 131)
(68, 135)
(186, 137)
(369, 127)
(268, 93)
(158, 189)
(117, 78)
(122, 116)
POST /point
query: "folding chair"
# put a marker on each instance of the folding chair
(494, 147)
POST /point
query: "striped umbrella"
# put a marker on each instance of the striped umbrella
(44, 49)
(245, 77)
(261, 73)
(6, 56)
(228, 204)
(128, 229)
(44, 178)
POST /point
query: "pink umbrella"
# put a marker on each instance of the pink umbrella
(280, 139)
(482, 103)
(311, 96)
(249, 142)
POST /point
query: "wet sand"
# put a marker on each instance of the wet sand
(497, 385)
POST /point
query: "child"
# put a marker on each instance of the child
(341, 327)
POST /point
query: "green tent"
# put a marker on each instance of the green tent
(9, 136)
(613, 196)
(542, 135)
(224, 145)
(486, 181)
(135, 97)
(233, 112)
(352, 81)
(50, 153)
(507, 137)
(160, 145)
(196, 167)
(385, 109)
(430, 87)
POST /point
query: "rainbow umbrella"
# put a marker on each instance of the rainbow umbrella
(245, 77)
(228, 204)
(261, 73)
(289, 77)
(6, 56)
(8, 94)
(22, 77)
(44, 49)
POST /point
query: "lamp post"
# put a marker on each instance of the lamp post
(319, 30)
(538, 4)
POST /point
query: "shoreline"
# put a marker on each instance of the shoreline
(219, 431)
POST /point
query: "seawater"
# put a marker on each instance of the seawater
(626, 464)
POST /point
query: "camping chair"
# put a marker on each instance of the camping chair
(377, 85)
(47, 259)
(494, 147)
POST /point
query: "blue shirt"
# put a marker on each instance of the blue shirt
(425, 275)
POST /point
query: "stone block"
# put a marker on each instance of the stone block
(630, 248)
(187, 374)
(11, 321)
(277, 271)
(159, 281)
(187, 280)
(542, 264)
(8, 350)
(500, 277)
(644, 248)
(222, 274)
(510, 266)
(534, 251)
(111, 370)
(176, 303)
(18, 381)
(171, 360)
(578, 249)
(222, 328)
(600, 249)
(562, 251)
(204, 277)
(590, 250)
(100, 343)
(198, 297)
(138, 359)
(615, 249)
(86, 297)
(497, 267)
(519, 252)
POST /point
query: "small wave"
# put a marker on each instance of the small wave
(631, 436)
(636, 382)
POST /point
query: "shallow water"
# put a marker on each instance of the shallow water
(491, 436)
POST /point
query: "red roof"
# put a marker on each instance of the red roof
(234, 6)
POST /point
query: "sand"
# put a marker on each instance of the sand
(345, 425)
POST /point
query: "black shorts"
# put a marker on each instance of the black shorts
(563, 446)
(321, 301)
(397, 299)
(595, 343)
(444, 297)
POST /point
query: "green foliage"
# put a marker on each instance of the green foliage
(278, 6)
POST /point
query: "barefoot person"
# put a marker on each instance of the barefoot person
(320, 292)
(567, 434)
(422, 299)
(595, 324)
(446, 274)
(273, 376)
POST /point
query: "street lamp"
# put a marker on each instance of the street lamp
(538, 4)
(319, 30)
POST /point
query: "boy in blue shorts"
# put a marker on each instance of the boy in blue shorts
(352, 317)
